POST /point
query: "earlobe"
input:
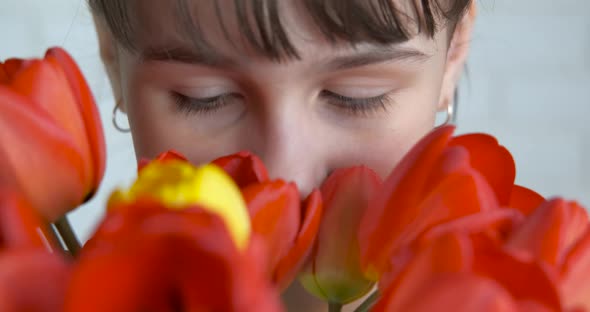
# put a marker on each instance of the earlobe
(457, 57)
(110, 57)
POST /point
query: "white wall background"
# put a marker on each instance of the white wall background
(528, 84)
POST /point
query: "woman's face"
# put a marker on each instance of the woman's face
(334, 107)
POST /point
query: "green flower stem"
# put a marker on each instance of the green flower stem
(68, 236)
(334, 307)
(368, 303)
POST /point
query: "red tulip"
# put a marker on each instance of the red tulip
(550, 231)
(245, 168)
(287, 226)
(333, 272)
(557, 233)
(3, 75)
(439, 180)
(146, 257)
(575, 273)
(52, 143)
(468, 273)
(524, 199)
(31, 278)
(20, 226)
(163, 157)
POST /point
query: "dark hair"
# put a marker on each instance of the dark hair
(379, 22)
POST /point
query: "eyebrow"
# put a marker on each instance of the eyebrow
(377, 55)
(370, 56)
(186, 55)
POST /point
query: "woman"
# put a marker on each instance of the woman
(308, 85)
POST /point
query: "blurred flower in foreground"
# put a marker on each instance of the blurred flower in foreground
(177, 184)
(31, 277)
(51, 141)
(177, 240)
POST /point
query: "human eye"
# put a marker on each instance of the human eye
(190, 105)
(357, 105)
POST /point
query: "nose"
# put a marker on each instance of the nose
(289, 149)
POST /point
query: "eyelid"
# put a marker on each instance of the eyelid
(359, 91)
(205, 93)
(363, 95)
(363, 107)
(202, 106)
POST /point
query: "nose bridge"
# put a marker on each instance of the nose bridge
(288, 147)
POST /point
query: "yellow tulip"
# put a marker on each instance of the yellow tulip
(179, 185)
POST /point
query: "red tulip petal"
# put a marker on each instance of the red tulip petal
(142, 163)
(20, 226)
(533, 306)
(163, 157)
(274, 207)
(169, 259)
(400, 194)
(47, 88)
(122, 218)
(497, 223)
(3, 74)
(11, 67)
(459, 195)
(578, 218)
(49, 155)
(575, 274)
(524, 199)
(87, 109)
(492, 160)
(550, 231)
(526, 280)
(32, 280)
(245, 168)
(451, 160)
(290, 265)
(459, 292)
(336, 257)
(449, 253)
(135, 271)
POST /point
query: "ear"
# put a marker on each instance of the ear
(109, 55)
(457, 56)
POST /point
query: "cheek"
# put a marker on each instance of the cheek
(381, 147)
(384, 148)
(156, 131)
(157, 125)
(383, 155)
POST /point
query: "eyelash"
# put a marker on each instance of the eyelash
(202, 106)
(353, 106)
(359, 106)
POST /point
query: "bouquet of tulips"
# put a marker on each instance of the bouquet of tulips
(447, 230)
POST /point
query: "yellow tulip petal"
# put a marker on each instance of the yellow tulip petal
(178, 185)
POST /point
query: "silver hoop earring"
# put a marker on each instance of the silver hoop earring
(451, 113)
(451, 117)
(115, 124)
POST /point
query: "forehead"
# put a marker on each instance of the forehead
(254, 28)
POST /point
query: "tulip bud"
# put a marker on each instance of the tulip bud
(333, 272)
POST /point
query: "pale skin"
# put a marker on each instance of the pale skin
(296, 114)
